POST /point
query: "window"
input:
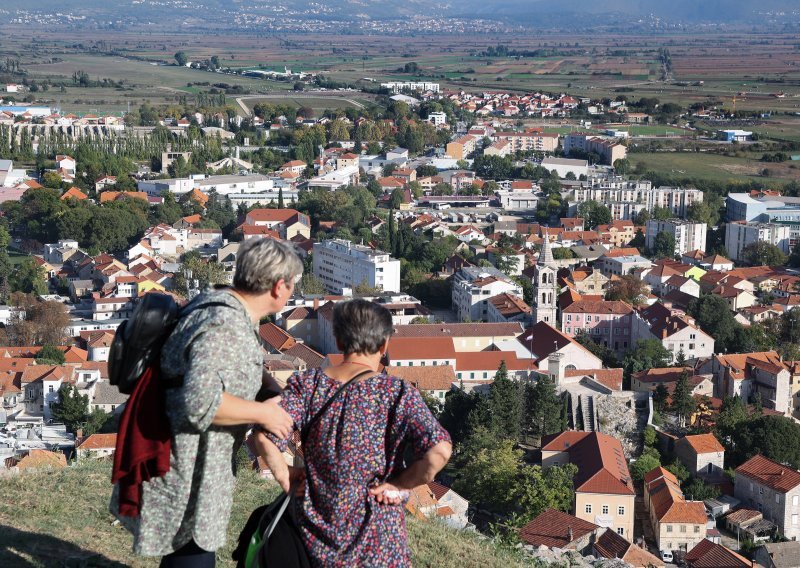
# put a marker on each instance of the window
(796, 500)
(669, 528)
(777, 497)
(683, 528)
(697, 529)
(620, 531)
(620, 511)
(605, 509)
(50, 388)
(588, 508)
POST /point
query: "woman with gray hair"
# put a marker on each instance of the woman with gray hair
(216, 349)
(356, 485)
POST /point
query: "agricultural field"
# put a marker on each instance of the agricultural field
(717, 168)
(316, 103)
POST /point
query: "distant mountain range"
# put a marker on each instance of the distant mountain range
(547, 12)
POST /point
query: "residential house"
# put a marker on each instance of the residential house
(701, 454)
(677, 333)
(286, 222)
(452, 507)
(745, 374)
(777, 554)
(508, 307)
(436, 380)
(466, 337)
(555, 529)
(773, 489)
(678, 524)
(604, 493)
(97, 446)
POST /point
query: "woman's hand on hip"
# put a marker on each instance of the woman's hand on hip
(388, 494)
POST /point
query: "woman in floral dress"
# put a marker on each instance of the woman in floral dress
(352, 509)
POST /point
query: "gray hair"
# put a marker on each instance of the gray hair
(261, 263)
(361, 326)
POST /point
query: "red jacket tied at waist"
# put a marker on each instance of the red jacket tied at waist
(143, 444)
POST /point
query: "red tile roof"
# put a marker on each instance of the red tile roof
(611, 378)
(414, 348)
(601, 463)
(438, 489)
(703, 443)
(710, 555)
(612, 546)
(777, 477)
(552, 528)
(98, 442)
(429, 378)
(668, 501)
(616, 307)
(276, 337)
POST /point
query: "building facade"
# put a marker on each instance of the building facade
(344, 265)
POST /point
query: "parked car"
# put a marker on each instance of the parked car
(666, 556)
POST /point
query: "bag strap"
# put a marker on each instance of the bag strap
(314, 419)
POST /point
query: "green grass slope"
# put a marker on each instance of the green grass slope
(60, 518)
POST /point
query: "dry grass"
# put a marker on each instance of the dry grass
(60, 518)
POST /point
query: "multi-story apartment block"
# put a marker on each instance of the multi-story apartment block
(678, 524)
(342, 264)
(604, 493)
(461, 147)
(609, 149)
(625, 199)
(739, 235)
(528, 141)
(773, 489)
(688, 235)
(473, 286)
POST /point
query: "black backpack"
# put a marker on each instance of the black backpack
(138, 340)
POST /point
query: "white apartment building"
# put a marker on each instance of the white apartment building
(609, 149)
(437, 118)
(223, 185)
(528, 141)
(399, 86)
(687, 234)
(627, 198)
(739, 235)
(473, 287)
(621, 265)
(344, 265)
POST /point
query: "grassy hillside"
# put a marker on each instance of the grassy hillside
(60, 518)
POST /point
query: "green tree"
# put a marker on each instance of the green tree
(622, 166)
(649, 437)
(677, 469)
(29, 277)
(458, 405)
(661, 213)
(649, 354)
(489, 476)
(540, 489)
(762, 253)
(203, 274)
(713, 315)
(732, 414)
(181, 58)
(683, 403)
(311, 285)
(542, 407)
(71, 409)
(627, 288)
(505, 404)
(594, 213)
(775, 437)
(664, 245)
(660, 396)
(50, 355)
(699, 490)
(648, 461)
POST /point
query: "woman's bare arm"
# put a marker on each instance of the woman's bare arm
(418, 473)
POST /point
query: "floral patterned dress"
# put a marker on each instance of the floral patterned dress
(358, 442)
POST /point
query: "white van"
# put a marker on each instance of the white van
(666, 556)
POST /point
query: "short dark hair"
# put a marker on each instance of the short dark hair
(361, 326)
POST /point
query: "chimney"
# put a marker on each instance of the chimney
(79, 434)
(569, 534)
(316, 304)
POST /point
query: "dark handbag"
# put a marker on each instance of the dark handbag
(270, 538)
